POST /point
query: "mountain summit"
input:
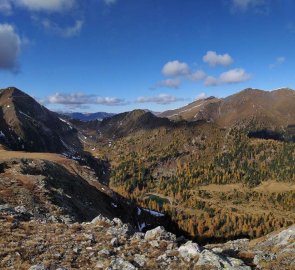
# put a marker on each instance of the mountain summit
(27, 125)
(270, 108)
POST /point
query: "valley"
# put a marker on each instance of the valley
(227, 174)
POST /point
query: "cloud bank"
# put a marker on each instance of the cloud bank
(80, 99)
(10, 46)
(162, 99)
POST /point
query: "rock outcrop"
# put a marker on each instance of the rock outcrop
(110, 244)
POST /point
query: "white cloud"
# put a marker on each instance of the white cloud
(46, 5)
(279, 61)
(232, 76)
(110, 2)
(175, 68)
(80, 99)
(214, 59)
(10, 45)
(201, 96)
(160, 99)
(211, 81)
(5, 7)
(66, 32)
(197, 75)
(170, 83)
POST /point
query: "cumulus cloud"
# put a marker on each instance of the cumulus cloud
(197, 75)
(279, 61)
(162, 99)
(232, 76)
(169, 83)
(201, 96)
(10, 45)
(214, 59)
(46, 5)
(66, 32)
(80, 99)
(175, 68)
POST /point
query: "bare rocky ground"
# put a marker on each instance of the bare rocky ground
(112, 245)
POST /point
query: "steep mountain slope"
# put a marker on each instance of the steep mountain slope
(125, 123)
(193, 111)
(271, 109)
(52, 188)
(268, 109)
(27, 125)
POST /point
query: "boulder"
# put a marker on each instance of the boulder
(209, 258)
(189, 249)
(159, 233)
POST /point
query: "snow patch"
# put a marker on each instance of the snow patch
(141, 226)
(114, 205)
(25, 114)
(154, 213)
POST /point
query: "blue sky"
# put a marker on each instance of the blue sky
(118, 55)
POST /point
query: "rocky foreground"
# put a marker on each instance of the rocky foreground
(110, 244)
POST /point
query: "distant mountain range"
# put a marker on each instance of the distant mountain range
(88, 116)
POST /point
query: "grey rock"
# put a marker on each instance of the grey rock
(120, 264)
(115, 242)
(100, 218)
(189, 249)
(140, 259)
(209, 258)
(159, 233)
(154, 243)
(264, 257)
(20, 209)
(104, 252)
(117, 222)
(89, 237)
(162, 257)
(100, 265)
(138, 236)
(38, 267)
